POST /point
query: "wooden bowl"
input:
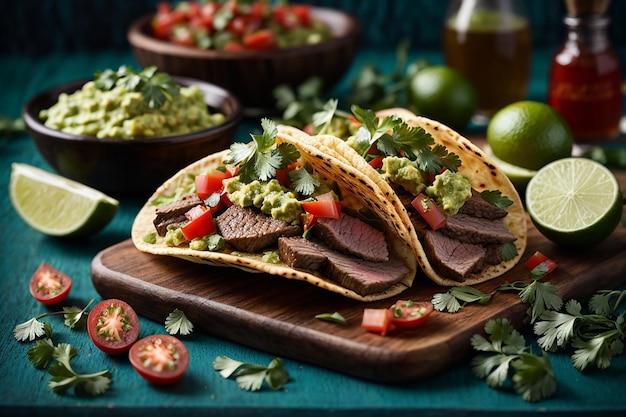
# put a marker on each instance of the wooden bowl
(129, 166)
(253, 75)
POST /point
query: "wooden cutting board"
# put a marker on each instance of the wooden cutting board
(277, 315)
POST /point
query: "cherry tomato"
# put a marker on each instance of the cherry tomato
(410, 313)
(49, 286)
(113, 326)
(429, 210)
(376, 320)
(160, 359)
(539, 258)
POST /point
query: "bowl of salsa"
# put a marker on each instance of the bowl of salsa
(248, 48)
(120, 136)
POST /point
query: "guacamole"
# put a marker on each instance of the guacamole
(404, 172)
(451, 190)
(270, 197)
(124, 114)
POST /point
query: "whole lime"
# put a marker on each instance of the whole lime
(443, 94)
(529, 134)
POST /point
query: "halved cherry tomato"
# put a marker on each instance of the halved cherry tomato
(376, 320)
(410, 313)
(113, 326)
(539, 258)
(49, 286)
(200, 223)
(429, 210)
(160, 359)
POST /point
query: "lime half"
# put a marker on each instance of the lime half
(57, 206)
(574, 202)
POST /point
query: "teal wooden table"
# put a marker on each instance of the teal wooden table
(312, 391)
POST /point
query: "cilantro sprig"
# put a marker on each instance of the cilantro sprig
(249, 376)
(64, 377)
(541, 296)
(532, 376)
(595, 336)
(155, 87)
(259, 158)
(33, 329)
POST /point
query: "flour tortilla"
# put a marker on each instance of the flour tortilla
(481, 171)
(357, 190)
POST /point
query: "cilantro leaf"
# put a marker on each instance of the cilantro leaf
(64, 377)
(451, 300)
(29, 330)
(532, 376)
(557, 329)
(332, 318)
(40, 355)
(303, 181)
(177, 322)
(260, 158)
(250, 377)
(496, 198)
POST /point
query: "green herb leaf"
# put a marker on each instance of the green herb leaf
(332, 318)
(250, 377)
(446, 302)
(40, 355)
(496, 198)
(533, 376)
(64, 377)
(177, 322)
(303, 181)
(29, 330)
(451, 300)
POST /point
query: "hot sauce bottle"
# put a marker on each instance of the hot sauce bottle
(585, 79)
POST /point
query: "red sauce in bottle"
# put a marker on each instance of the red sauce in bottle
(585, 80)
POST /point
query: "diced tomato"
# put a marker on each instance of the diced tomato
(307, 220)
(308, 129)
(429, 210)
(261, 39)
(538, 258)
(200, 224)
(113, 326)
(282, 174)
(49, 286)
(207, 184)
(376, 320)
(160, 359)
(182, 35)
(233, 46)
(329, 209)
(410, 313)
(302, 12)
(377, 162)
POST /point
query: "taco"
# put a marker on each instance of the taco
(283, 207)
(430, 173)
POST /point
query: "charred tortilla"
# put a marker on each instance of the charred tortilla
(482, 173)
(357, 190)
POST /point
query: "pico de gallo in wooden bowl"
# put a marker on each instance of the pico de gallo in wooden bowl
(238, 25)
(244, 53)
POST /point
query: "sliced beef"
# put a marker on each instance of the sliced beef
(363, 277)
(249, 230)
(452, 258)
(301, 253)
(477, 206)
(477, 230)
(493, 255)
(174, 213)
(353, 236)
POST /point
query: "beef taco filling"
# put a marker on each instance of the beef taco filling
(462, 213)
(293, 216)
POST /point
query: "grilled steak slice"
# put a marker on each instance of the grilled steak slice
(249, 230)
(477, 230)
(301, 253)
(493, 255)
(174, 213)
(352, 236)
(363, 277)
(477, 206)
(452, 258)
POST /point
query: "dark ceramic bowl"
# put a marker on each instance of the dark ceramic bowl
(129, 166)
(253, 75)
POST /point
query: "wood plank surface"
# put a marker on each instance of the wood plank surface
(277, 315)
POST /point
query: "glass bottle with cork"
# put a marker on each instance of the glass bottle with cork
(585, 77)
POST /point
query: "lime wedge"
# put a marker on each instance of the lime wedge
(57, 206)
(519, 176)
(575, 202)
